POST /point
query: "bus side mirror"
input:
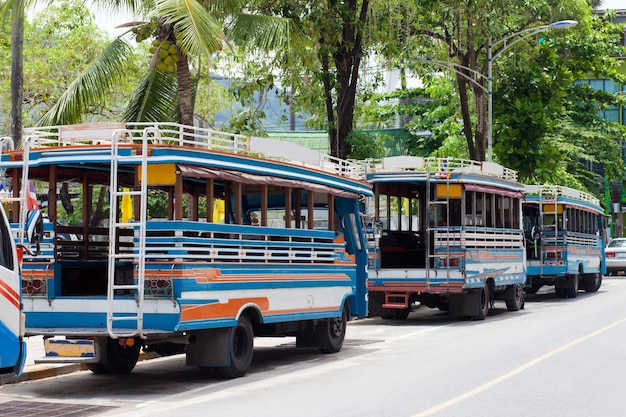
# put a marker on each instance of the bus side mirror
(378, 229)
(34, 228)
(536, 232)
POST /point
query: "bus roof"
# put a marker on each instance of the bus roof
(551, 192)
(176, 143)
(440, 166)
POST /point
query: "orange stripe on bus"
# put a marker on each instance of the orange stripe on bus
(221, 310)
(214, 274)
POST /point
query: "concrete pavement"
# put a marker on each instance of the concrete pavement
(32, 370)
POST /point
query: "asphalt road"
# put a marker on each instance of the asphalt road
(557, 357)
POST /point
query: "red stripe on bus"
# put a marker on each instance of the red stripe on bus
(10, 294)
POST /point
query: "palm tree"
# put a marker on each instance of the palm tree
(14, 9)
(180, 30)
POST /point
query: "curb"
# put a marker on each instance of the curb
(40, 371)
(45, 370)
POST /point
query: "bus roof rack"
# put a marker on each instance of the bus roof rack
(87, 134)
(555, 191)
(439, 165)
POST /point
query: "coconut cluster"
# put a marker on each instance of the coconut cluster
(167, 55)
(143, 32)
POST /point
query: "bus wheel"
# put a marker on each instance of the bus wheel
(483, 306)
(517, 301)
(560, 292)
(96, 368)
(332, 332)
(402, 313)
(572, 290)
(398, 314)
(210, 371)
(120, 360)
(241, 348)
(592, 282)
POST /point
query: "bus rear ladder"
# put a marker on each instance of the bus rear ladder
(137, 256)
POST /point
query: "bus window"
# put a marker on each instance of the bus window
(469, 208)
(480, 209)
(6, 251)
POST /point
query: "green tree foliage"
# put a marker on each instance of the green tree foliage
(321, 73)
(183, 32)
(366, 145)
(433, 108)
(59, 42)
(457, 33)
(543, 108)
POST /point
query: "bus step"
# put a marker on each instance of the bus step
(396, 301)
(125, 318)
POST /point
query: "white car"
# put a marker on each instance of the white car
(615, 253)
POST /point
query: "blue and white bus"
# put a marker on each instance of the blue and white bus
(13, 346)
(565, 239)
(445, 233)
(176, 239)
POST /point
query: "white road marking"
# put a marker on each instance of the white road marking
(515, 371)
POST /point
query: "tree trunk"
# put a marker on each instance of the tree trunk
(465, 115)
(328, 100)
(98, 215)
(476, 138)
(481, 122)
(185, 97)
(17, 74)
(347, 60)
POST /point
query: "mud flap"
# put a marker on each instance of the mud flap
(466, 304)
(208, 348)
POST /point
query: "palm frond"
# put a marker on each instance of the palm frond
(197, 31)
(224, 7)
(135, 7)
(263, 32)
(90, 86)
(155, 99)
(5, 11)
(7, 7)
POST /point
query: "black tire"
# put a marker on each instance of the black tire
(483, 304)
(96, 368)
(332, 332)
(242, 347)
(121, 360)
(209, 371)
(592, 282)
(402, 313)
(398, 314)
(532, 289)
(561, 292)
(517, 302)
(572, 291)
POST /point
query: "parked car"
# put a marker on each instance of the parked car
(616, 256)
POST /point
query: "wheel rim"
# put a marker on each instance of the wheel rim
(240, 342)
(484, 298)
(336, 327)
(519, 294)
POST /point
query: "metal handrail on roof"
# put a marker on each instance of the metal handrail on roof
(554, 191)
(439, 165)
(181, 135)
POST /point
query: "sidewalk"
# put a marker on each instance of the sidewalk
(35, 350)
